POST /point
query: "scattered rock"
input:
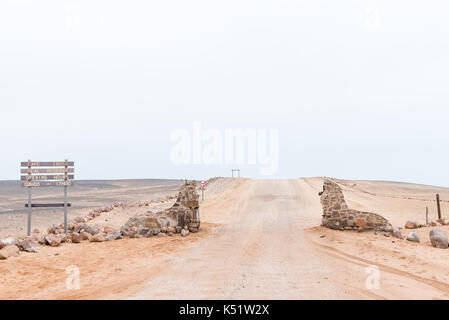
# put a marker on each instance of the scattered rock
(7, 242)
(54, 229)
(28, 245)
(86, 236)
(438, 239)
(161, 234)
(413, 237)
(323, 236)
(53, 240)
(442, 221)
(113, 236)
(99, 237)
(184, 232)
(78, 227)
(40, 239)
(411, 225)
(9, 251)
(396, 233)
(76, 237)
(36, 231)
(89, 229)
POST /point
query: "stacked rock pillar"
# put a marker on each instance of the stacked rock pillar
(337, 214)
(188, 198)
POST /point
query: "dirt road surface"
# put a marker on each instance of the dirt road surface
(260, 239)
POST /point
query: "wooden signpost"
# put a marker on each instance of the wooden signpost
(47, 174)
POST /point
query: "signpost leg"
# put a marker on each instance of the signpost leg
(65, 210)
(29, 212)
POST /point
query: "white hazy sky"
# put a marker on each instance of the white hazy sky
(358, 89)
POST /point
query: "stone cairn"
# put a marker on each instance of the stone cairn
(338, 216)
(182, 217)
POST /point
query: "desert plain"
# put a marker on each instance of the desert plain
(259, 239)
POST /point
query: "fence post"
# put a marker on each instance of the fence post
(438, 206)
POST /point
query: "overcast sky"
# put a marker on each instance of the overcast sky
(357, 89)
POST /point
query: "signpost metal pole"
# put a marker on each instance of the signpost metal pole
(30, 211)
(65, 199)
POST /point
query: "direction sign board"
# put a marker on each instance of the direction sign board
(47, 164)
(48, 170)
(37, 184)
(47, 177)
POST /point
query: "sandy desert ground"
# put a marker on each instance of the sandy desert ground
(259, 239)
